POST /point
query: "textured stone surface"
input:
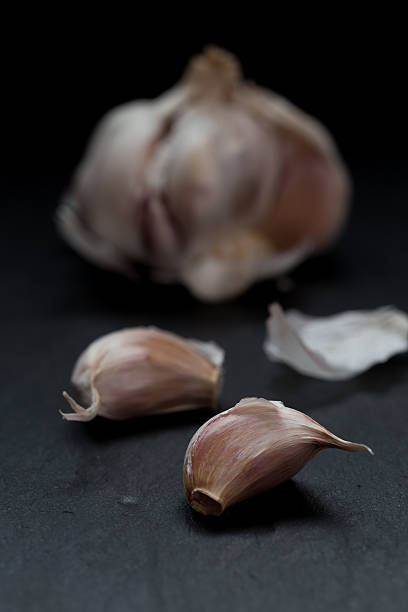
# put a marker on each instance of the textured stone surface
(93, 515)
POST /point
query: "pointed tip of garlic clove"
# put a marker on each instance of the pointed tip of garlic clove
(352, 447)
(80, 413)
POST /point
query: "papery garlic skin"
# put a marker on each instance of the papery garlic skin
(216, 184)
(144, 371)
(337, 347)
(249, 449)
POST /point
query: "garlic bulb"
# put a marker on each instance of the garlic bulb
(337, 347)
(215, 184)
(249, 449)
(144, 371)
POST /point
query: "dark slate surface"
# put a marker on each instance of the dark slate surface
(93, 516)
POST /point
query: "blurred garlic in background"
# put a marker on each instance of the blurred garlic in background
(249, 449)
(215, 184)
(144, 371)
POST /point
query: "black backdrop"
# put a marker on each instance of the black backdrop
(62, 74)
(93, 516)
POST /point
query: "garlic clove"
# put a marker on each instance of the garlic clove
(337, 347)
(225, 269)
(144, 371)
(213, 167)
(249, 449)
(314, 187)
(110, 214)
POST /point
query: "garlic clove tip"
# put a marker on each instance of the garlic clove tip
(80, 413)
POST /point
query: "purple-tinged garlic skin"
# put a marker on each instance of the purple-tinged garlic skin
(216, 184)
(249, 449)
(144, 371)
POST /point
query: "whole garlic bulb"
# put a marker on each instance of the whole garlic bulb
(216, 184)
(249, 449)
(144, 371)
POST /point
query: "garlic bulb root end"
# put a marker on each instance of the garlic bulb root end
(80, 413)
(204, 502)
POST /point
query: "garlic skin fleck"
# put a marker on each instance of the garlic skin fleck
(144, 371)
(216, 184)
(337, 347)
(249, 449)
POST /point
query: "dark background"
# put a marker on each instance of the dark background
(93, 516)
(62, 73)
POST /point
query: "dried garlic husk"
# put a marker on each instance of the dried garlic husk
(336, 347)
(144, 371)
(215, 184)
(249, 449)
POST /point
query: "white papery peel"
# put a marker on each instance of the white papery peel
(336, 347)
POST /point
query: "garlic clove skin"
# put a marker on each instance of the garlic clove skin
(313, 187)
(249, 449)
(214, 166)
(144, 371)
(226, 268)
(337, 347)
(109, 215)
